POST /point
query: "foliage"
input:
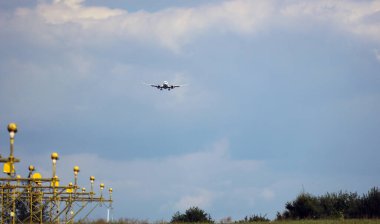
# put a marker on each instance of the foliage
(193, 214)
(320, 221)
(333, 205)
(254, 218)
(331, 208)
(329, 221)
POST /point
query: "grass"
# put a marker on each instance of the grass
(330, 221)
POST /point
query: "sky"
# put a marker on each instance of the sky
(281, 97)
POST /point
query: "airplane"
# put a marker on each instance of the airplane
(165, 85)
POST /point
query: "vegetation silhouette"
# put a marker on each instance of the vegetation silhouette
(193, 214)
(254, 218)
(333, 205)
(330, 208)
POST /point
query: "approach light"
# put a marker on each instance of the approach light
(12, 128)
(76, 170)
(54, 157)
(31, 168)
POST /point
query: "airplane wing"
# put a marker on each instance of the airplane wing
(174, 86)
(152, 85)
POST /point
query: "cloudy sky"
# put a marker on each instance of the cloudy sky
(281, 97)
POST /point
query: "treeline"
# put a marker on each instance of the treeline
(333, 205)
(342, 205)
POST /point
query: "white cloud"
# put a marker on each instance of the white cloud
(201, 199)
(177, 26)
(66, 11)
(358, 17)
(173, 28)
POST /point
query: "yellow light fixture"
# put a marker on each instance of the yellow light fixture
(54, 157)
(76, 170)
(12, 127)
(31, 168)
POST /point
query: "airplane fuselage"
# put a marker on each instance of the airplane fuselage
(165, 85)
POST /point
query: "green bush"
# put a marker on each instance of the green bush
(193, 214)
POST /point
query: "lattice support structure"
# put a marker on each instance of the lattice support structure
(37, 200)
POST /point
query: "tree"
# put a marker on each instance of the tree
(371, 203)
(335, 205)
(305, 206)
(193, 214)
